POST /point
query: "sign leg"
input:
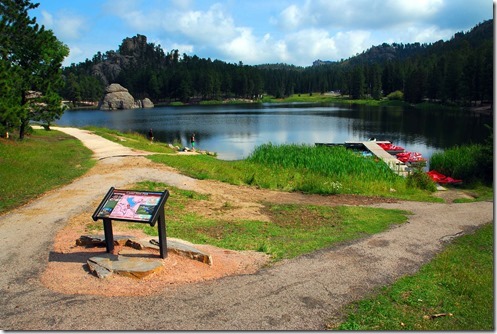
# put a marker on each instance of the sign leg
(109, 238)
(162, 235)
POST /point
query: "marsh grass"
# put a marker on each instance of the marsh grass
(458, 285)
(309, 169)
(471, 163)
(42, 161)
(293, 230)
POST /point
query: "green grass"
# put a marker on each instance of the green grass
(131, 139)
(384, 102)
(318, 170)
(458, 283)
(470, 163)
(293, 230)
(42, 161)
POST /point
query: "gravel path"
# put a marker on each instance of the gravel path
(298, 294)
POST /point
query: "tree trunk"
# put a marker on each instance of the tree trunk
(23, 127)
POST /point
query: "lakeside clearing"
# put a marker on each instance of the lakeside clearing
(264, 247)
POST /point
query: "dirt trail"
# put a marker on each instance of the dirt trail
(44, 287)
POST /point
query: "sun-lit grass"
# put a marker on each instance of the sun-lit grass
(292, 231)
(318, 170)
(42, 161)
(454, 292)
(131, 139)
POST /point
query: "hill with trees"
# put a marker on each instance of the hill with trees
(458, 71)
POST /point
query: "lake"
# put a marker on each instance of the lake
(233, 131)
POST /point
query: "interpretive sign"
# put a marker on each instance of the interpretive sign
(133, 206)
(130, 205)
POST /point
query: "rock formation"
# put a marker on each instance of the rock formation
(131, 52)
(118, 97)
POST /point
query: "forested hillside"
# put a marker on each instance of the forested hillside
(456, 71)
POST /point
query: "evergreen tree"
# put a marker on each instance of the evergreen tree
(376, 82)
(357, 83)
(32, 58)
(414, 88)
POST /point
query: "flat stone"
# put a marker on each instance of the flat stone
(99, 240)
(135, 263)
(136, 267)
(177, 246)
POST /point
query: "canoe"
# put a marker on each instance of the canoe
(391, 148)
(442, 179)
(410, 157)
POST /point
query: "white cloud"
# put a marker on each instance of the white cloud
(352, 42)
(305, 46)
(182, 48)
(426, 34)
(294, 32)
(357, 14)
(211, 26)
(65, 25)
(415, 9)
(291, 17)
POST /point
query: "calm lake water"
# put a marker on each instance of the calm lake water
(233, 131)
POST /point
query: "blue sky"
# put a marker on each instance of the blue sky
(257, 31)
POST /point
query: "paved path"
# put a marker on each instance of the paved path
(302, 293)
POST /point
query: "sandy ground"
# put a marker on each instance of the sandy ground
(237, 292)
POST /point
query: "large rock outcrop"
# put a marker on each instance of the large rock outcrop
(117, 97)
(132, 51)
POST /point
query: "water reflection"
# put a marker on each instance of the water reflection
(233, 131)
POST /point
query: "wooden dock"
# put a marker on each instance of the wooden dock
(395, 164)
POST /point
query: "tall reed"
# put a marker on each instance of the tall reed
(336, 162)
(321, 169)
(471, 163)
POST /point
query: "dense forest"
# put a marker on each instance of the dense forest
(458, 71)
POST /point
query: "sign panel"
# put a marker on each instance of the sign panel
(132, 205)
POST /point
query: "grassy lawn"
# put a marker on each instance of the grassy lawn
(42, 161)
(294, 229)
(453, 292)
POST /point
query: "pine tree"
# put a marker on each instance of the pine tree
(31, 58)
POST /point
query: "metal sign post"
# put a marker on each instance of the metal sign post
(133, 206)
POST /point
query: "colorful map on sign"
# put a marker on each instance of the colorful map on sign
(131, 205)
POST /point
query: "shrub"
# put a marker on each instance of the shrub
(397, 95)
(421, 180)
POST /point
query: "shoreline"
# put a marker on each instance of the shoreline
(486, 110)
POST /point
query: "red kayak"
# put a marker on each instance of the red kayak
(440, 178)
(391, 148)
(411, 157)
